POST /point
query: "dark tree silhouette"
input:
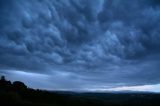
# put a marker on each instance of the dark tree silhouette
(3, 78)
(19, 85)
(4, 84)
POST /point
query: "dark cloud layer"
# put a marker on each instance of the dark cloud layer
(103, 43)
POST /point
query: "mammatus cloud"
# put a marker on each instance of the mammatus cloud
(102, 42)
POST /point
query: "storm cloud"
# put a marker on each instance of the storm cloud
(81, 44)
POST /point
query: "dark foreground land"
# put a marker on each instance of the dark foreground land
(17, 94)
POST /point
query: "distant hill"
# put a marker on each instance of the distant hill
(18, 94)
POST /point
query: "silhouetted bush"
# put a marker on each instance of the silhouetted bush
(19, 85)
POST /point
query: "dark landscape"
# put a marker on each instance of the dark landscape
(18, 94)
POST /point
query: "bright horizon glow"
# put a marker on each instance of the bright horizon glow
(143, 88)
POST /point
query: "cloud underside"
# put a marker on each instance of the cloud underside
(105, 43)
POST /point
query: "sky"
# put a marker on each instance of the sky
(81, 45)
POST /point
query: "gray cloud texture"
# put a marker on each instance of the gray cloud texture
(93, 42)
